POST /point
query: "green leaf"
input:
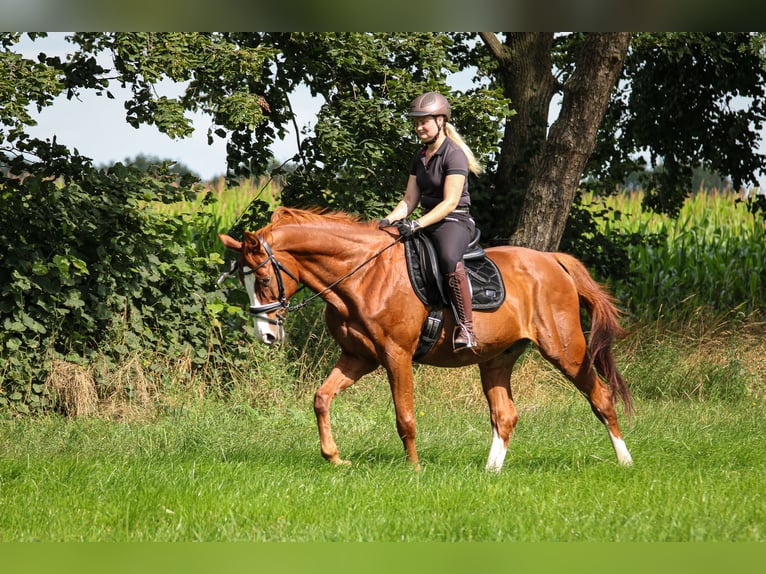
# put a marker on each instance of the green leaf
(39, 268)
(13, 344)
(62, 263)
(32, 324)
(14, 325)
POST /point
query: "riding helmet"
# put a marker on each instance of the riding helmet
(430, 104)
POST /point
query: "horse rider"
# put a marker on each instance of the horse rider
(438, 180)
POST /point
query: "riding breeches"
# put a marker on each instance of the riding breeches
(451, 236)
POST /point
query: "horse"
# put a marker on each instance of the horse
(375, 317)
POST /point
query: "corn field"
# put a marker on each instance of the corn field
(217, 208)
(710, 257)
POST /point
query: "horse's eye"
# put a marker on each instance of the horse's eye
(265, 281)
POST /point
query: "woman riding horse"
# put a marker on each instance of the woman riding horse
(375, 316)
(439, 182)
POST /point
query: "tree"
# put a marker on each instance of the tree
(145, 162)
(542, 173)
(687, 100)
(82, 253)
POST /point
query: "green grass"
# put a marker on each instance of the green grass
(224, 471)
(234, 455)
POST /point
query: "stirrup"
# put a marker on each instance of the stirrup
(468, 340)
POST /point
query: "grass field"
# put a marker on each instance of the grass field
(177, 455)
(211, 470)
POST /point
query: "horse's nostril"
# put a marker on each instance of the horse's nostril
(269, 339)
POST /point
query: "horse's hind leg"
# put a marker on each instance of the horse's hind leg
(496, 383)
(601, 402)
(571, 360)
(347, 371)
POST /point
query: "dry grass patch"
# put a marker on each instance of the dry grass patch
(128, 391)
(702, 357)
(136, 388)
(534, 383)
(73, 389)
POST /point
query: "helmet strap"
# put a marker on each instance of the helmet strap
(438, 132)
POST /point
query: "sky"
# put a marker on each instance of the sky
(96, 126)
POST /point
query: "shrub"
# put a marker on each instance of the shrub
(89, 270)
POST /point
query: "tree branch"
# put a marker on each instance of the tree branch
(494, 44)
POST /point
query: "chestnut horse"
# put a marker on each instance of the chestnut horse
(375, 316)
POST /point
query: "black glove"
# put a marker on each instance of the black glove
(408, 227)
(384, 223)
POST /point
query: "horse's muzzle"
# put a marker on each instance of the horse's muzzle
(271, 331)
(269, 339)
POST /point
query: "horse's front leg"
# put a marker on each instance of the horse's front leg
(346, 372)
(399, 370)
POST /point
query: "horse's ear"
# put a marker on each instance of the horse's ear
(252, 239)
(230, 242)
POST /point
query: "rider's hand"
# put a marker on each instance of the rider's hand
(408, 227)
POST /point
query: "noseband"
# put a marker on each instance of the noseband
(261, 311)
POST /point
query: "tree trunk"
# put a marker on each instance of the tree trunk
(525, 66)
(556, 164)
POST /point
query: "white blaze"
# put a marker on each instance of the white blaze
(266, 331)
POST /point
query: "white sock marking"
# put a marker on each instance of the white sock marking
(623, 456)
(496, 453)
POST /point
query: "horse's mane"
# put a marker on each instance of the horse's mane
(314, 215)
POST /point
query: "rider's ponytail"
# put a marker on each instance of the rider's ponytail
(473, 165)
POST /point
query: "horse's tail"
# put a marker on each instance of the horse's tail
(605, 327)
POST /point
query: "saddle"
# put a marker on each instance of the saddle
(487, 287)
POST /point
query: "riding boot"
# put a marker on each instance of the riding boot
(460, 297)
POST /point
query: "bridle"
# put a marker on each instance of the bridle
(261, 312)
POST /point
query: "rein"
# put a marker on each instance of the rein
(284, 303)
(346, 276)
